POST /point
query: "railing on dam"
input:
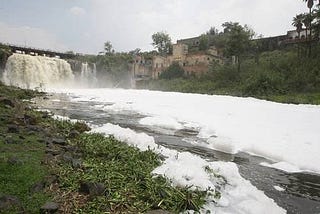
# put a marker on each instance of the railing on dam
(38, 51)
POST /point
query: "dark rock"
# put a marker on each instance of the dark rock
(49, 207)
(69, 148)
(158, 212)
(76, 163)
(48, 159)
(9, 202)
(7, 102)
(51, 179)
(37, 187)
(53, 152)
(74, 133)
(34, 128)
(10, 140)
(93, 189)
(67, 158)
(30, 120)
(59, 141)
(41, 140)
(12, 128)
(14, 161)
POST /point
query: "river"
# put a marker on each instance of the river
(297, 192)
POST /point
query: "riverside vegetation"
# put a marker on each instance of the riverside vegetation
(279, 75)
(55, 165)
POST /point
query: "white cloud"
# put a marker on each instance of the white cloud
(29, 36)
(77, 11)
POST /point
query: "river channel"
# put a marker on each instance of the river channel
(300, 192)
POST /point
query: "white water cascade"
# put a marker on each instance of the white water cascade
(88, 75)
(31, 72)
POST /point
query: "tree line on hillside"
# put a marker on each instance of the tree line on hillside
(258, 71)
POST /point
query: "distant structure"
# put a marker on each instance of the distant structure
(193, 62)
(292, 37)
(39, 52)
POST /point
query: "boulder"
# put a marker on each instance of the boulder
(9, 140)
(59, 141)
(49, 207)
(9, 202)
(7, 102)
(76, 163)
(37, 187)
(29, 119)
(73, 133)
(12, 128)
(14, 161)
(92, 188)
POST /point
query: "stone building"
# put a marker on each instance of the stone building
(195, 63)
(141, 68)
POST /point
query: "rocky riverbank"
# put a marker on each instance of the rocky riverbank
(49, 166)
(30, 144)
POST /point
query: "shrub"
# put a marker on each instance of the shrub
(173, 71)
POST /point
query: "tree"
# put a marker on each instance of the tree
(237, 40)
(307, 21)
(297, 22)
(5, 52)
(173, 71)
(213, 31)
(316, 24)
(203, 42)
(108, 49)
(162, 42)
(135, 51)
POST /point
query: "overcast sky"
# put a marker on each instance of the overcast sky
(84, 25)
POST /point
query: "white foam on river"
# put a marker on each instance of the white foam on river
(287, 134)
(284, 133)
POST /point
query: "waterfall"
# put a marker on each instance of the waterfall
(88, 75)
(31, 72)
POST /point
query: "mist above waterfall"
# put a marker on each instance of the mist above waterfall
(88, 74)
(31, 72)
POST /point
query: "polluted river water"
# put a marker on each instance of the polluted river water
(267, 152)
(297, 192)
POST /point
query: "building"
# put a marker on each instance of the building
(141, 67)
(194, 63)
(292, 37)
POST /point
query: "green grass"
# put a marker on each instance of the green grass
(298, 98)
(17, 179)
(201, 86)
(126, 172)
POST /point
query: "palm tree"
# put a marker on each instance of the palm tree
(316, 24)
(307, 20)
(297, 22)
(310, 5)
